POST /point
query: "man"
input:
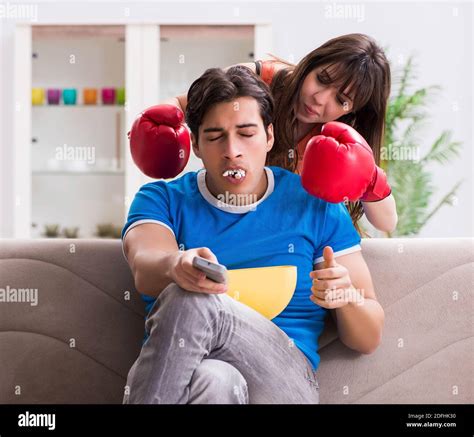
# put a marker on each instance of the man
(202, 346)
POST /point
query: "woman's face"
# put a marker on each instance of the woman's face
(319, 102)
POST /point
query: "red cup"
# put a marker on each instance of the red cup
(108, 96)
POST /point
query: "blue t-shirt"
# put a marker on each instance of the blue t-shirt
(287, 226)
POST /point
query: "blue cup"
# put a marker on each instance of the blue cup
(69, 96)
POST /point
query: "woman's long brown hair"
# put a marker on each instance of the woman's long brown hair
(358, 65)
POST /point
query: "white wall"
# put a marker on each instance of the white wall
(439, 33)
(197, 54)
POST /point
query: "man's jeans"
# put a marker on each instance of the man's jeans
(209, 349)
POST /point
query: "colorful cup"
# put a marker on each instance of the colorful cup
(54, 96)
(108, 96)
(37, 96)
(90, 96)
(120, 96)
(69, 96)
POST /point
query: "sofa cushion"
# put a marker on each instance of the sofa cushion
(78, 343)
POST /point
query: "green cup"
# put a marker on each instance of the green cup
(120, 96)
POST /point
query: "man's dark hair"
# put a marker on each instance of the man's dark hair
(218, 86)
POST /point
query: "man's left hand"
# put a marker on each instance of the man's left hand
(332, 286)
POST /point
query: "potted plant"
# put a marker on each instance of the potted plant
(104, 230)
(117, 232)
(72, 232)
(51, 231)
(410, 178)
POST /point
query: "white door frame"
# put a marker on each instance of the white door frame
(142, 67)
(21, 156)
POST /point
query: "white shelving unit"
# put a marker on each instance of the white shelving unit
(77, 150)
(78, 195)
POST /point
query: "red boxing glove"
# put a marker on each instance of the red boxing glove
(159, 142)
(339, 165)
(378, 188)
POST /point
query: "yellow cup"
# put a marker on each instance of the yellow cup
(37, 96)
(267, 290)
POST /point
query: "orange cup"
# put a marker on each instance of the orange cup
(90, 96)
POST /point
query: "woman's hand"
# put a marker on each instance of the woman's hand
(160, 143)
(332, 286)
(339, 165)
(190, 278)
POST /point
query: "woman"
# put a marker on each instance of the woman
(346, 79)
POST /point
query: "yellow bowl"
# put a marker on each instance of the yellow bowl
(267, 290)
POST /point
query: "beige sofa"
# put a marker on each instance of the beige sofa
(78, 342)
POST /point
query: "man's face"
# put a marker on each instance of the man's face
(233, 146)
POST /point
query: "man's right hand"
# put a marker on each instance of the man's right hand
(159, 142)
(189, 278)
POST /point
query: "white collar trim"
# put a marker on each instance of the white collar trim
(235, 209)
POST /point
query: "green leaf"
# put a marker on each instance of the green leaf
(408, 181)
(406, 116)
(443, 149)
(446, 200)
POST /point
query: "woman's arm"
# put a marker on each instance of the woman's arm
(181, 101)
(178, 101)
(382, 214)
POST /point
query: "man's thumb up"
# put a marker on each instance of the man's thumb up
(328, 256)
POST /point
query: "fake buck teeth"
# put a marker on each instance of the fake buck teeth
(238, 174)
